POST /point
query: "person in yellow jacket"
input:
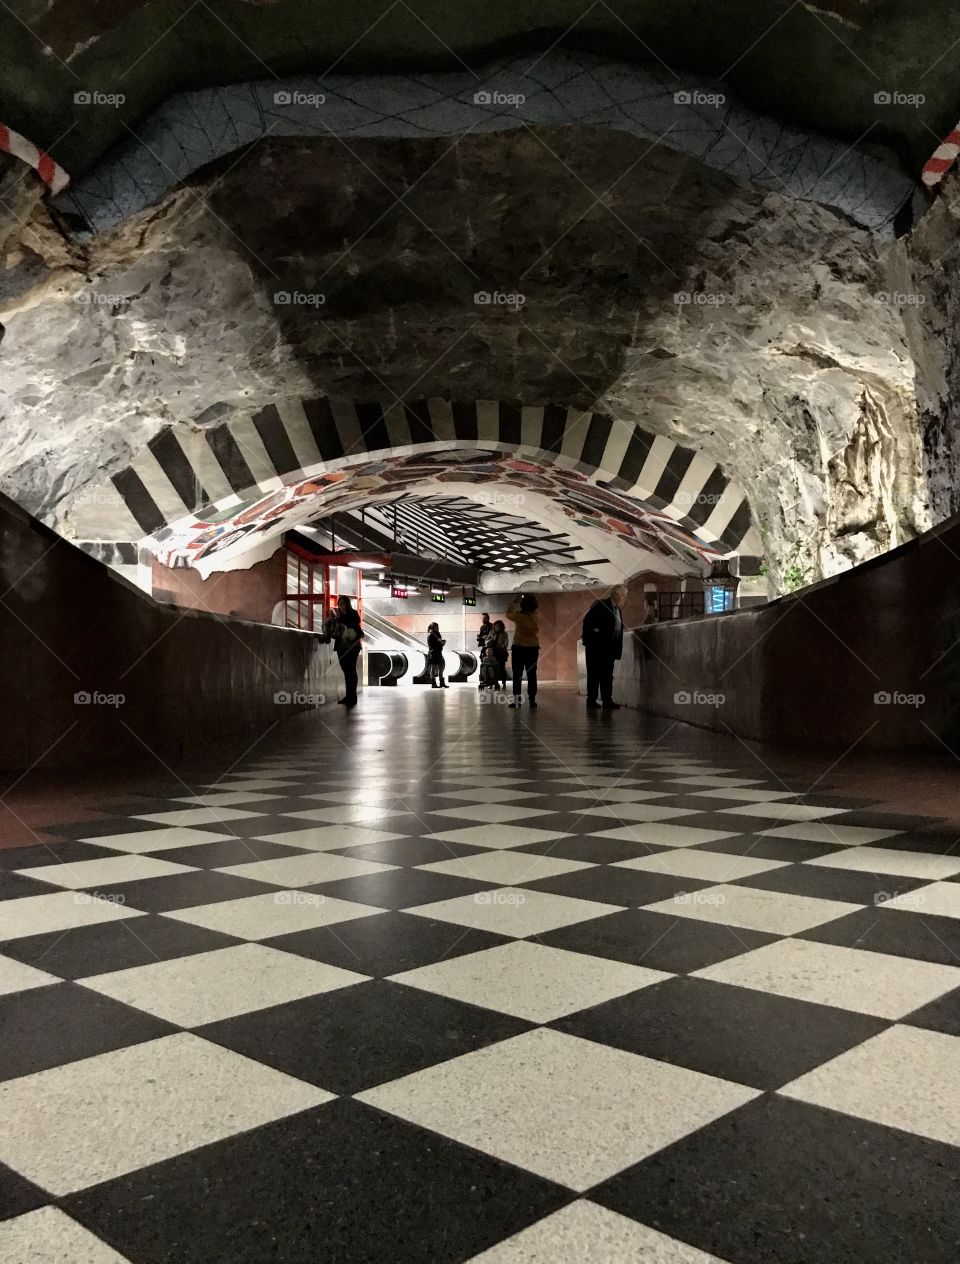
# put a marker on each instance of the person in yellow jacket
(526, 648)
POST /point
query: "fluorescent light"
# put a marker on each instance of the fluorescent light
(367, 566)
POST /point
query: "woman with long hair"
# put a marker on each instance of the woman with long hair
(344, 630)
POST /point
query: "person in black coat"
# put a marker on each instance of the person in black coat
(602, 637)
(343, 628)
(435, 644)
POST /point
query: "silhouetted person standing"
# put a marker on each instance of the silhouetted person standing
(602, 637)
(526, 648)
(343, 628)
(435, 644)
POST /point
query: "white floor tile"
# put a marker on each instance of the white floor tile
(829, 832)
(137, 842)
(208, 986)
(490, 813)
(752, 909)
(17, 977)
(906, 864)
(585, 1233)
(210, 817)
(514, 911)
(331, 837)
(64, 910)
(497, 835)
(745, 796)
(635, 812)
(663, 834)
(710, 866)
(531, 981)
(848, 978)
(939, 899)
(904, 1078)
(373, 815)
(103, 871)
(50, 1236)
(274, 913)
(571, 1110)
(506, 868)
(92, 1120)
(226, 798)
(784, 811)
(301, 871)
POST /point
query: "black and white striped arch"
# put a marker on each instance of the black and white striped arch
(185, 470)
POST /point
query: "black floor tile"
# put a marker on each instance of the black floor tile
(135, 941)
(232, 851)
(360, 1036)
(609, 885)
(782, 1182)
(409, 851)
(762, 848)
(14, 886)
(898, 932)
(933, 842)
(591, 848)
(58, 853)
(386, 943)
(734, 1033)
(656, 940)
(18, 1195)
(48, 1026)
(828, 883)
(943, 1014)
(343, 1183)
(871, 818)
(183, 890)
(401, 888)
(98, 829)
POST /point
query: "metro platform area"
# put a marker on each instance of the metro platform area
(437, 980)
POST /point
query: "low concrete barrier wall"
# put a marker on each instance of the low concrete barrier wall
(870, 659)
(92, 670)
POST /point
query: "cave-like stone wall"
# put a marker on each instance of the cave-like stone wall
(733, 320)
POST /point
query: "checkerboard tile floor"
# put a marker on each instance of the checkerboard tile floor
(467, 984)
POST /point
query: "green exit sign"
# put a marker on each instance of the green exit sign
(439, 596)
(469, 601)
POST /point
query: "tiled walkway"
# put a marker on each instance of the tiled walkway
(438, 981)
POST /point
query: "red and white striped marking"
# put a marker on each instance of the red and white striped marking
(50, 173)
(943, 159)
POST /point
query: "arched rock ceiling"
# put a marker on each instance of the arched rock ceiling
(783, 364)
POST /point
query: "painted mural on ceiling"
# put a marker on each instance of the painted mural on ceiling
(232, 531)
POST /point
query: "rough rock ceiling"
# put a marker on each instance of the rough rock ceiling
(763, 48)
